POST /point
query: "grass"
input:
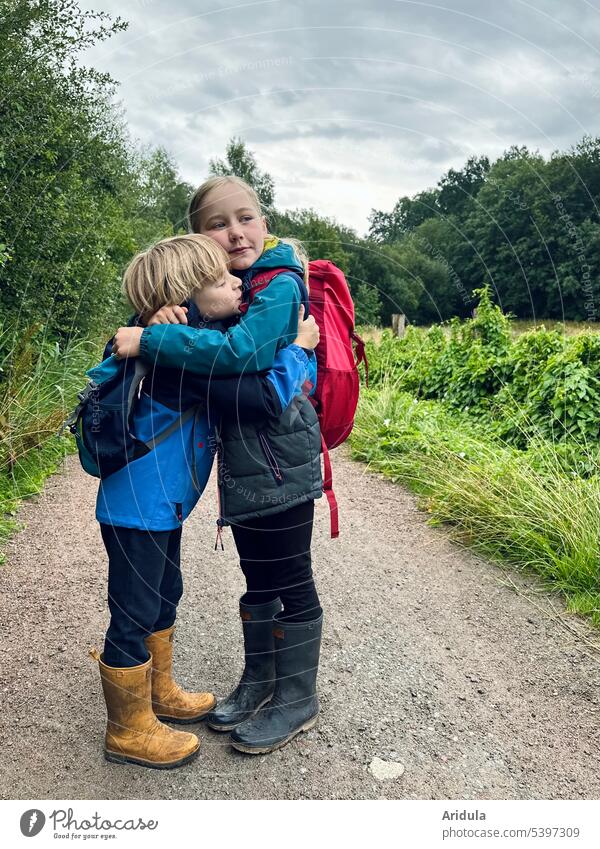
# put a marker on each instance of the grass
(370, 333)
(569, 328)
(39, 381)
(514, 506)
(27, 478)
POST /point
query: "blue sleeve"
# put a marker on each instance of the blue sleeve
(258, 397)
(312, 371)
(288, 374)
(271, 323)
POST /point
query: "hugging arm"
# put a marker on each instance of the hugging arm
(249, 346)
(134, 321)
(257, 397)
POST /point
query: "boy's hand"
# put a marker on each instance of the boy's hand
(126, 342)
(169, 315)
(308, 331)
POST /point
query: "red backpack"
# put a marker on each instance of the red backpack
(336, 395)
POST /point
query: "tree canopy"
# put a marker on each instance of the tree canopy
(527, 225)
(77, 199)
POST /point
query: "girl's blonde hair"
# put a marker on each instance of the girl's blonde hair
(198, 201)
(171, 270)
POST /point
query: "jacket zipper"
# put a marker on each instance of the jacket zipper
(220, 490)
(271, 459)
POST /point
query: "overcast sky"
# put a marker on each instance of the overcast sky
(349, 105)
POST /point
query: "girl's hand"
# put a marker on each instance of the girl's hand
(126, 342)
(308, 331)
(169, 315)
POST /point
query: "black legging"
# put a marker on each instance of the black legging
(275, 559)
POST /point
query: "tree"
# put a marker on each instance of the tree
(458, 188)
(320, 236)
(376, 271)
(408, 213)
(76, 200)
(241, 162)
(428, 254)
(164, 195)
(528, 225)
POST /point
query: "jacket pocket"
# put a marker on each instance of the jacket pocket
(178, 507)
(270, 457)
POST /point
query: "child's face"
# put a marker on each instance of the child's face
(229, 218)
(221, 299)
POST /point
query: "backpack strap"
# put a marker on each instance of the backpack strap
(361, 357)
(141, 370)
(262, 279)
(328, 490)
(179, 422)
(259, 282)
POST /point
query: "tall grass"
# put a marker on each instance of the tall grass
(39, 380)
(517, 506)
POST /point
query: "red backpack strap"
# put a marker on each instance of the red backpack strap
(258, 283)
(328, 490)
(361, 357)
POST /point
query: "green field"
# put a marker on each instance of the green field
(517, 327)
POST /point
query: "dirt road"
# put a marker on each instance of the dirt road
(433, 661)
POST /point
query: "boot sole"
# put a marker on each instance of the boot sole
(264, 750)
(185, 720)
(177, 720)
(233, 725)
(115, 758)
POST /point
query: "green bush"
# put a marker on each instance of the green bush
(540, 384)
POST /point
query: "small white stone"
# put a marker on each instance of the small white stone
(384, 770)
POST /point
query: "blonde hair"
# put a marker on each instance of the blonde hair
(171, 270)
(198, 201)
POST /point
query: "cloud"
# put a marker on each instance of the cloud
(350, 104)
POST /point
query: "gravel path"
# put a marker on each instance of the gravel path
(433, 660)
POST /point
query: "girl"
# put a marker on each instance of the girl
(142, 506)
(269, 476)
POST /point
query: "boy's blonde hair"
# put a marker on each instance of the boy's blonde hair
(199, 198)
(171, 270)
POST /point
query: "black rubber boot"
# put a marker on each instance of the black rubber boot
(257, 683)
(294, 706)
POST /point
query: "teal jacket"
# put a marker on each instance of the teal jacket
(250, 345)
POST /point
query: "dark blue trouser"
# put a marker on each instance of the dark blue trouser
(144, 588)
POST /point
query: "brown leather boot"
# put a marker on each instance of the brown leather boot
(169, 701)
(133, 732)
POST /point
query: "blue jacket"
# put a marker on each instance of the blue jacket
(159, 490)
